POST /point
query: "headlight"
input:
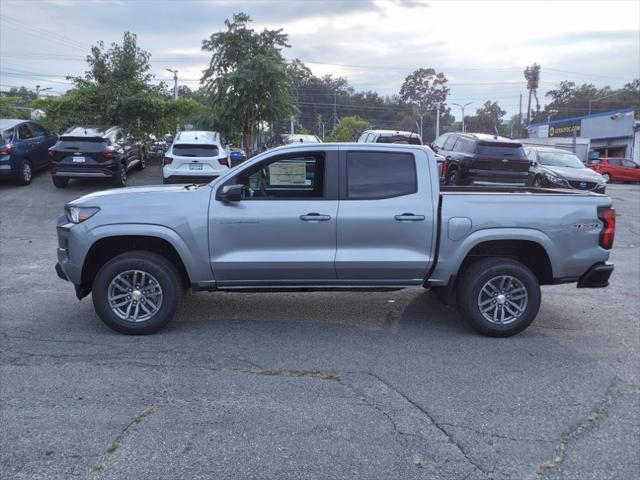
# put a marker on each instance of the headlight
(555, 179)
(80, 214)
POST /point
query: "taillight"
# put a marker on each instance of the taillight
(5, 150)
(224, 161)
(52, 152)
(445, 169)
(167, 160)
(109, 153)
(608, 217)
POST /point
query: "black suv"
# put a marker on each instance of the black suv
(95, 152)
(478, 158)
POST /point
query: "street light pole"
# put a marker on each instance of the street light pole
(437, 120)
(175, 82)
(462, 107)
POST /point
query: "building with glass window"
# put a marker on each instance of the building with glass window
(610, 134)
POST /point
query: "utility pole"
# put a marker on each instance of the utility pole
(462, 107)
(520, 117)
(291, 122)
(437, 120)
(335, 108)
(175, 82)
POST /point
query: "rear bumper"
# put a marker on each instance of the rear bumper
(597, 276)
(107, 170)
(190, 178)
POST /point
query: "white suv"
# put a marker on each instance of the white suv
(195, 156)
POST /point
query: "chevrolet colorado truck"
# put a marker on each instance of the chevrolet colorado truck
(348, 216)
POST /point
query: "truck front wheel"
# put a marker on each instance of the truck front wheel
(499, 297)
(137, 293)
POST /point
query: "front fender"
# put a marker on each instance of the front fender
(198, 271)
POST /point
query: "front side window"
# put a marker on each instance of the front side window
(292, 177)
(615, 161)
(24, 132)
(372, 175)
(451, 141)
(441, 140)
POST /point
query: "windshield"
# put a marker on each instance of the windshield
(559, 159)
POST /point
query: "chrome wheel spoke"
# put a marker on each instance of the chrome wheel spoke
(502, 299)
(135, 296)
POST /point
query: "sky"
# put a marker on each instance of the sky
(481, 46)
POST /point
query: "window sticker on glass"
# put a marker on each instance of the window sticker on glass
(289, 173)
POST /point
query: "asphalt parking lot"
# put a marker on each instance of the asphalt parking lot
(311, 385)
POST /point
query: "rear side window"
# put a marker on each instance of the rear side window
(465, 146)
(24, 132)
(372, 175)
(36, 129)
(186, 150)
(501, 150)
(7, 135)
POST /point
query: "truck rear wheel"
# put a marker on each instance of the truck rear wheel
(499, 297)
(137, 293)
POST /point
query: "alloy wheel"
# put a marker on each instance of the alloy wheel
(135, 296)
(503, 300)
(27, 173)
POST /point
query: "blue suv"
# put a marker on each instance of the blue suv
(24, 149)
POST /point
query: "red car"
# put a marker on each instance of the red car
(616, 169)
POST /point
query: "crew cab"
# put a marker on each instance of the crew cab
(333, 216)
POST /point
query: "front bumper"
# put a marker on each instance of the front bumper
(597, 276)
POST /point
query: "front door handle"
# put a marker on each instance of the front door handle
(315, 217)
(410, 217)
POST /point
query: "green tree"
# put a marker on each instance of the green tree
(116, 89)
(348, 129)
(425, 88)
(488, 119)
(247, 77)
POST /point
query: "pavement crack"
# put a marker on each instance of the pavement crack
(431, 419)
(117, 442)
(290, 373)
(597, 414)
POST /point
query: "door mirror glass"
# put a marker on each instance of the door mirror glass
(230, 193)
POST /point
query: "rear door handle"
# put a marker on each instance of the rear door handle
(315, 217)
(410, 217)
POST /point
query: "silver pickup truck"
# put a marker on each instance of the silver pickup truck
(333, 216)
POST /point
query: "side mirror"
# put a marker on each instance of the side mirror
(434, 148)
(230, 193)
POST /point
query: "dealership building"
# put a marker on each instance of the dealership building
(608, 134)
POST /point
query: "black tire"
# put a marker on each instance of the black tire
(607, 177)
(477, 276)
(143, 161)
(166, 181)
(25, 173)
(537, 182)
(120, 178)
(60, 182)
(453, 177)
(161, 269)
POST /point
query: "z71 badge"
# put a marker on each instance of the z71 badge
(586, 226)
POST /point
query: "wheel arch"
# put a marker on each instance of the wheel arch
(108, 245)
